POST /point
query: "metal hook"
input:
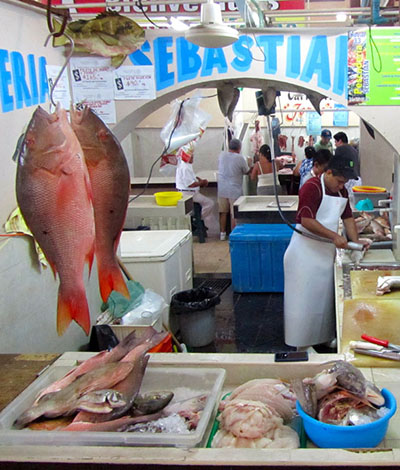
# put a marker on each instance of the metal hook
(69, 55)
(49, 24)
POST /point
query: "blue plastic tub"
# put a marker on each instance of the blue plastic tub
(348, 437)
(257, 257)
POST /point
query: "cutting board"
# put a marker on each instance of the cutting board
(363, 284)
(374, 317)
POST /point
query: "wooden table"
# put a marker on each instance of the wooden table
(18, 371)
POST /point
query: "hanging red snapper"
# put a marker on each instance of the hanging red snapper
(110, 181)
(53, 192)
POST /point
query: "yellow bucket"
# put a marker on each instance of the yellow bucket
(168, 198)
(368, 189)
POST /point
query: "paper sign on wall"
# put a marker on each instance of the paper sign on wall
(92, 84)
(134, 83)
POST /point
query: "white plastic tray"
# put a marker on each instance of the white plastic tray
(209, 380)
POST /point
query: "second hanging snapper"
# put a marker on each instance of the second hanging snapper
(110, 181)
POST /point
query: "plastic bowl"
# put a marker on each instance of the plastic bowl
(348, 437)
(168, 198)
(368, 189)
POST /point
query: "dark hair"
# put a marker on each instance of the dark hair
(341, 136)
(235, 144)
(322, 157)
(265, 151)
(309, 151)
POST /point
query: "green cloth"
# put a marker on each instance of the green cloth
(117, 304)
(319, 145)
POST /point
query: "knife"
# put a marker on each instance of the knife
(385, 354)
(381, 342)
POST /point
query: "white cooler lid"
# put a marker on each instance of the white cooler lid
(150, 244)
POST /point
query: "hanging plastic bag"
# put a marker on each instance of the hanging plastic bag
(182, 131)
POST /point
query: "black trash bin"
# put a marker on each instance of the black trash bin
(195, 309)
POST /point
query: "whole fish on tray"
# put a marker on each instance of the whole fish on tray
(110, 181)
(109, 34)
(54, 195)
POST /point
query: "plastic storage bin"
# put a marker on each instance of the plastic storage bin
(197, 380)
(257, 257)
(160, 260)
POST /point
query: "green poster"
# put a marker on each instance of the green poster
(374, 67)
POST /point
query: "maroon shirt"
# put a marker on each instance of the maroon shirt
(310, 197)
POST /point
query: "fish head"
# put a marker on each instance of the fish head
(91, 131)
(42, 136)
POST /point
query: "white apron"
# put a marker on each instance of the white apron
(309, 307)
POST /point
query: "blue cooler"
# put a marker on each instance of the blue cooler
(257, 257)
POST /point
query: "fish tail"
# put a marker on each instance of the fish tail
(72, 306)
(111, 278)
(89, 258)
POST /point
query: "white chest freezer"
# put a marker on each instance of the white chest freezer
(161, 260)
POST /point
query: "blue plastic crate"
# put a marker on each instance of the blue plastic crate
(257, 252)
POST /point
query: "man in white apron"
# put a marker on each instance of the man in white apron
(309, 307)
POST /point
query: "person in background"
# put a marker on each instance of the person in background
(263, 172)
(276, 132)
(309, 300)
(342, 141)
(320, 162)
(231, 168)
(325, 141)
(189, 184)
(304, 166)
(256, 140)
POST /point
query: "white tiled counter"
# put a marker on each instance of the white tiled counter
(239, 369)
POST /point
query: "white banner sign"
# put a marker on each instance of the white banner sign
(134, 83)
(92, 84)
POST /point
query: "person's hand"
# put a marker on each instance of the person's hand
(203, 183)
(366, 242)
(340, 242)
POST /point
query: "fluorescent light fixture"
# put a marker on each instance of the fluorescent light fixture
(177, 24)
(211, 32)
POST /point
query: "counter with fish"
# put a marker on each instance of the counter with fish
(256, 398)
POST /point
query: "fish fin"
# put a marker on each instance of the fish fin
(89, 258)
(111, 278)
(109, 39)
(117, 60)
(72, 306)
(58, 41)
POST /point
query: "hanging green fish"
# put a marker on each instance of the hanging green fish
(109, 35)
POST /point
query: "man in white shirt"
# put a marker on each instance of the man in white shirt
(189, 184)
(231, 168)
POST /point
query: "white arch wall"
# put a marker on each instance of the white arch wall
(215, 69)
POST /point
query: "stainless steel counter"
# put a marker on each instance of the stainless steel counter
(264, 210)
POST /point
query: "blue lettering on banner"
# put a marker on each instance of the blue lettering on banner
(164, 78)
(293, 57)
(214, 58)
(269, 45)
(193, 61)
(340, 74)
(241, 48)
(7, 102)
(22, 95)
(317, 62)
(188, 60)
(21, 84)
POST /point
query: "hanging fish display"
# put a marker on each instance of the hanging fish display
(109, 34)
(54, 194)
(110, 182)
